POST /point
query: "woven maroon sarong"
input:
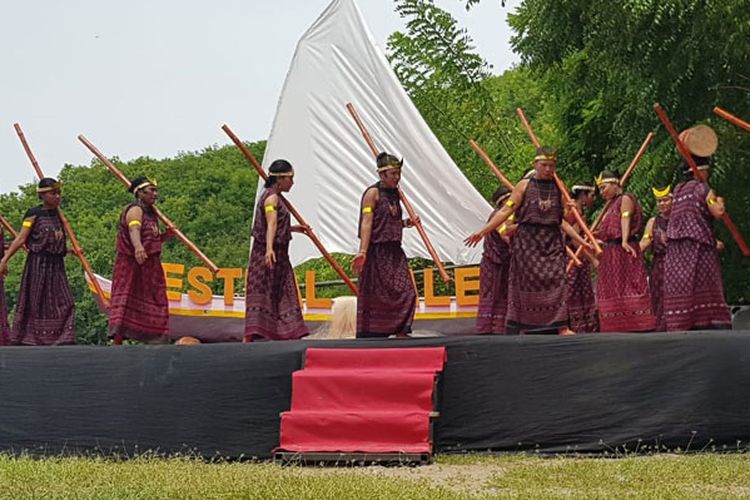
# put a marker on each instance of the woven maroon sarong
(387, 299)
(493, 284)
(622, 291)
(272, 308)
(4, 326)
(45, 313)
(693, 291)
(656, 278)
(139, 308)
(582, 312)
(538, 286)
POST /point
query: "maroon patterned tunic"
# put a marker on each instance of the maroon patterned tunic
(272, 308)
(45, 313)
(583, 314)
(693, 291)
(4, 327)
(139, 308)
(387, 299)
(622, 287)
(656, 279)
(538, 287)
(493, 284)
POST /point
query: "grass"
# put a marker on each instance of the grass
(466, 476)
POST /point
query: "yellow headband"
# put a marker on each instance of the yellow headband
(391, 165)
(56, 185)
(661, 193)
(144, 185)
(601, 180)
(281, 174)
(543, 156)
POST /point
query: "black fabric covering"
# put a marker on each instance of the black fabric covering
(587, 393)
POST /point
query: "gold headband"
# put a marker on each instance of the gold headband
(601, 180)
(391, 165)
(661, 193)
(56, 185)
(145, 184)
(543, 156)
(281, 174)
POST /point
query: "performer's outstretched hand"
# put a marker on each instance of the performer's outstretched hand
(140, 255)
(358, 262)
(412, 222)
(473, 239)
(300, 228)
(270, 258)
(626, 246)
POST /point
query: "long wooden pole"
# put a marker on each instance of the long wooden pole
(180, 236)
(68, 230)
(508, 184)
(623, 180)
(7, 226)
(407, 205)
(258, 168)
(685, 153)
(563, 189)
(732, 119)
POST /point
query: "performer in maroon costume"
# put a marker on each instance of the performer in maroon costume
(693, 291)
(537, 289)
(622, 286)
(139, 308)
(387, 299)
(4, 327)
(272, 308)
(582, 312)
(45, 314)
(493, 273)
(655, 237)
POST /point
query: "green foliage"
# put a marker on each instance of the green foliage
(209, 195)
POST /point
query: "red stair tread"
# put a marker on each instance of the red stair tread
(351, 432)
(356, 390)
(424, 359)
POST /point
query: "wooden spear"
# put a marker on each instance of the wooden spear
(506, 182)
(180, 236)
(6, 225)
(407, 205)
(623, 181)
(685, 153)
(68, 230)
(258, 168)
(732, 119)
(563, 189)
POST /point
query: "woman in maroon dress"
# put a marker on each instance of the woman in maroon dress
(622, 286)
(386, 298)
(693, 291)
(582, 312)
(537, 287)
(4, 326)
(493, 273)
(272, 308)
(45, 313)
(139, 308)
(655, 237)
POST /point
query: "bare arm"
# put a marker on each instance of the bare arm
(134, 220)
(17, 243)
(716, 206)
(648, 235)
(626, 214)
(573, 234)
(272, 218)
(365, 231)
(515, 200)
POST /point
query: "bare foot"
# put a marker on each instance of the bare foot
(566, 331)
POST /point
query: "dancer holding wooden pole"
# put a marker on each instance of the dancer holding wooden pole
(68, 230)
(309, 231)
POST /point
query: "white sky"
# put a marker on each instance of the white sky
(155, 77)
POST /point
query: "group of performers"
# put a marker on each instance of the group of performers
(525, 286)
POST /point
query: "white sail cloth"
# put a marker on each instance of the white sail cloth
(336, 62)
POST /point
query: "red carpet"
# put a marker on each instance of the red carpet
(362, 401)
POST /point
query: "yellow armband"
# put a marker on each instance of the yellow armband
(511, 217)
(711, 201)
(269, 208)
(27, 223)
(509, 203)
(502, 229)
(134, 223)
(625, 214)
(367, 210)
(646, 236)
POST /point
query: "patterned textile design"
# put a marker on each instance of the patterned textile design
(4, 326)
(622, 290)
(693, 291)
(272, 308)
(387, 299)
(139, 308)
(45, 314)
(656, 278)
(583, 314)
(690, 218)
(493, 284)
(537, 286)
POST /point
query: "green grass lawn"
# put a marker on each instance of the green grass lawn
(468, 476)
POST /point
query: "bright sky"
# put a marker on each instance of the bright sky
(155, 77)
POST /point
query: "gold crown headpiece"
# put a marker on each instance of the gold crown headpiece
(391, 165)
(661, 193)
(145, 184)
(601, 180)
(47, 189)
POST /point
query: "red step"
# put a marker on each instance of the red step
(422, 359)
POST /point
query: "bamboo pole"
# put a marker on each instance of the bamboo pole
(507, 183)
(407, 205)
(258, 168)
(180, 236)
(683, 150)
(563, 189)
(732, 119)
(623, 181)
(68, 230)
(4, 222)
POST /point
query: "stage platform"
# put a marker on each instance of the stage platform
(585, 393)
